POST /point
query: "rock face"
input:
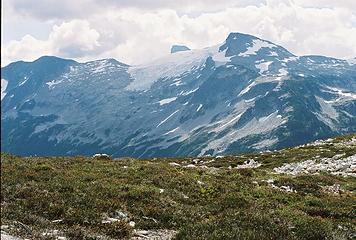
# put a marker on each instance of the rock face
(246, 94)
(179, 48)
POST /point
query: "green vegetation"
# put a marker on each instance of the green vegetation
(209, 200)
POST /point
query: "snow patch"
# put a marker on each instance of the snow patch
(263, 67)
(283, 72)
(250, 100)
(257, 44)
(200, 106)
(290, 59)
(341, 93)
(167, 100)
(4, 84)
(189, 92)
(24, 81)
(273, 54)
(100, 66)
(52, 83)
(246, 89)
(167, 118)
(219, 56)
(265, 79)
(172, 131)
(229, 122)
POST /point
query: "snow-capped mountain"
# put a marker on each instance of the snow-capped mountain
(246, 94)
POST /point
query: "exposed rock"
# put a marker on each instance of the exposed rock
(334, 165)
(249, 164)
(179, 48)
(56, 234)
(102, 156)
(174, 164)
(115, 217)
(270, 182)
(162, 234)
(190, 166)
(196, 161)
(333, 189)
(5, 236)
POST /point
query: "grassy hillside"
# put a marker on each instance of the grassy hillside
(187, 198)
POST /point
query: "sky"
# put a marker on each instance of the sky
(138, 31)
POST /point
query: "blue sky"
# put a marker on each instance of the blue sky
(136, 31)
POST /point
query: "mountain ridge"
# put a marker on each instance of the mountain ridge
(230, 35)
(246, 94)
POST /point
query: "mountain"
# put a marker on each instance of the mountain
(179, 48)
(246, 94)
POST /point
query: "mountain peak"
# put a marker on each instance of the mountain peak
(51, 59)
(179, 48)
(240, 36)
(107, 60)
(237, 43)
(246, 45)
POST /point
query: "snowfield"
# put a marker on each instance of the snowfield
(257, 44)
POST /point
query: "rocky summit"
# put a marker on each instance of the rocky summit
(243, 95)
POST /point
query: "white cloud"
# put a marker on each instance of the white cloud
(28, 48)
(134, 32)
(72, 39)
(68, 9)
(349, 4)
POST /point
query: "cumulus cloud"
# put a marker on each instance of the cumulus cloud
(135, 31)
(350, 4)
(72, 39)
(26, 49)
